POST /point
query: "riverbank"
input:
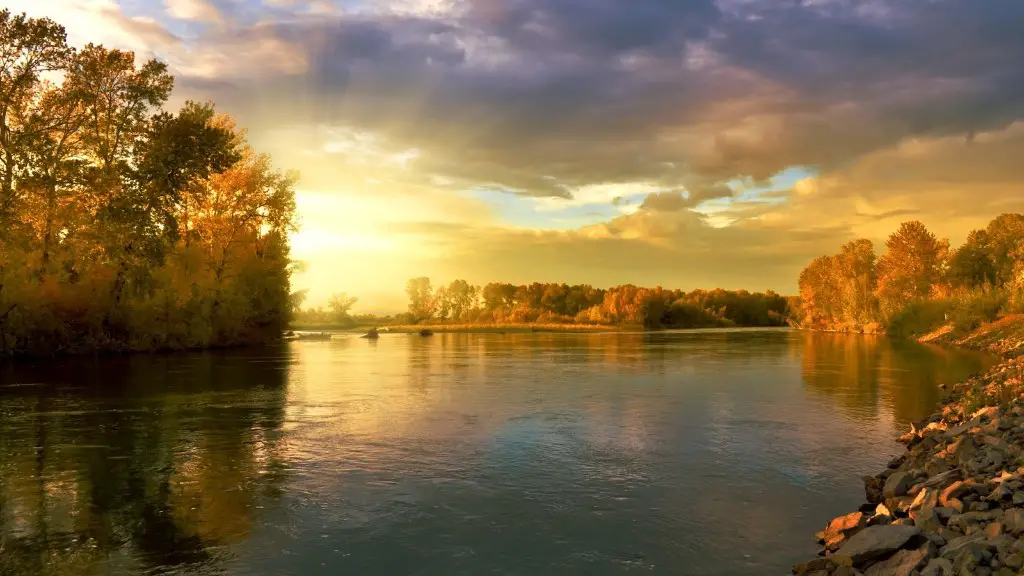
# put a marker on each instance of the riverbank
(508, 328)
(954, 502)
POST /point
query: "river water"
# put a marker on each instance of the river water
(717, 452)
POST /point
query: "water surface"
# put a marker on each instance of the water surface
(669, 453)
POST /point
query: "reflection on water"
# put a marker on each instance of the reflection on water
(681, 453)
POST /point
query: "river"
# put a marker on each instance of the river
(706, 452)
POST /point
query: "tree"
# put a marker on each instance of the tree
(443, 303)
(857, 281)
(124, 226)
(1005, 239)
(460, 295)
(910, 267)
(972, 265)
(421, 299)
(29, 48)
(339, 305)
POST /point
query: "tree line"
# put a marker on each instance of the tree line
(124, 226)
(918, 283)
(560, 303)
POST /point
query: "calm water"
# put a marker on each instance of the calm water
(674, 453)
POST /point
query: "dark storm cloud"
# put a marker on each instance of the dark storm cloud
(540, 97)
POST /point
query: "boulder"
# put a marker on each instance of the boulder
(938, 567)
(873, 489)
(952, 491)
(927, 520)
(875, 541)
(902, 563)
(994, 529)
(841, 528)
(1013, 520)
(897, 484)
(823, 565)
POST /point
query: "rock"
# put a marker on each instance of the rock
(927, 520)
(979, 506)
(935, 538)
(873, 489)
(875, 541)
(951, 492)
(938, 567)
(1018, 498)
(841, 528)
(994, 529)
(961, 521)
(1014, 520)
(955, 547)
(897, 461)
(902, 563)
(846, 571)
(897, 484)
(955, 505)
(816, 565)
(1000, 492)
(926, 498)
(936, 466)
(1013, 561)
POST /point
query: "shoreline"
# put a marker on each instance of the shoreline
(953, 503)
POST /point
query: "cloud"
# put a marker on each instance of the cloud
(899, 109)
(201, 10)
(540, 98)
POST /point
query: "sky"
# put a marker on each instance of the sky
(686, 144)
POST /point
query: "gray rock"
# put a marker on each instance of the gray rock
(902, 563)
(935, 538)
(875, 541)
(897, 484)
(938, 567)
(1014, 520)
(1013, 561)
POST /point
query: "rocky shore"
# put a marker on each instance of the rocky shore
(953, 504)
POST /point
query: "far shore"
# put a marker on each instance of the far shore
(516, 328)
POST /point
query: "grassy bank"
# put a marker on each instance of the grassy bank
(1005, 336)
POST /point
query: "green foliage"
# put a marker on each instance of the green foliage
(972, 308)
(919, 318)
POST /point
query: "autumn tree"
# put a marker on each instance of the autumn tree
(460, 297)
(339, 306)
(973, 264)
(421, 298)
(29, 48)
(857, 281)
(123, 225)
(911, 266)
(1005, 241)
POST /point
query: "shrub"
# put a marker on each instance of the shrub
(919, 318)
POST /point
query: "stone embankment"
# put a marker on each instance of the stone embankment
(953, 504)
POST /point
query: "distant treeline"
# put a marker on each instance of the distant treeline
(461, 302)
(122, 226)
(918, 284)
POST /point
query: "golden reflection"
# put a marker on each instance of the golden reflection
(864, 375)
(153, 478)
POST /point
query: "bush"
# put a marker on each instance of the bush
(919, 318)
(976, 307)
